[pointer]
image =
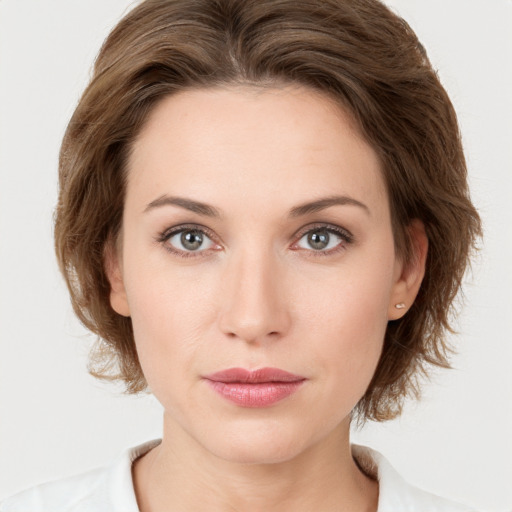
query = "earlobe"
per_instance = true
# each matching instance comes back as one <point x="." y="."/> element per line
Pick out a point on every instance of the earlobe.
<point x="410" y="273"/>
<point x="113" y="269"/>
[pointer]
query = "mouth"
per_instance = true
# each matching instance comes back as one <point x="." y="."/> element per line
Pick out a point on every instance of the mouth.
<point x="257" y="388"/>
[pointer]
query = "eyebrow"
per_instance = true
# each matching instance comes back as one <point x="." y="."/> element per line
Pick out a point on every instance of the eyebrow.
<point x="297" y="211"/>
<point x="187" y="204"/>
<point x="326" y="202"/>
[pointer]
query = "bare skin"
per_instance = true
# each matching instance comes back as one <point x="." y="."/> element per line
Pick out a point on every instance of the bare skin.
<point x="267" y="282"/>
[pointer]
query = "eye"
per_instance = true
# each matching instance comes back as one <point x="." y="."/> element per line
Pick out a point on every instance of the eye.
<point x="324" y="239"/>
<point x="187" y="240"/>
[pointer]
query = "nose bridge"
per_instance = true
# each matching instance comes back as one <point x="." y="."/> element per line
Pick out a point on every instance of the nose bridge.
<point x="253" y="303"/>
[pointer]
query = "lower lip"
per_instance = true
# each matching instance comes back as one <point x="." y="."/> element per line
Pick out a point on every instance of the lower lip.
<point x="261" y="394"/>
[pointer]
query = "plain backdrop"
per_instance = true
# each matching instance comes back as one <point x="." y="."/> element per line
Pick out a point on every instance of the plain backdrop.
<point x="55" y="420"/>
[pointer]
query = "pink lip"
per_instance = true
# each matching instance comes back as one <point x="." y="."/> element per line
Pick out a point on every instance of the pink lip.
<point x="257" y="388"/>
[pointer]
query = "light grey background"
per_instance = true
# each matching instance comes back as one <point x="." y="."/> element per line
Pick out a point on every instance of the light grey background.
<point x="55" y="420"/>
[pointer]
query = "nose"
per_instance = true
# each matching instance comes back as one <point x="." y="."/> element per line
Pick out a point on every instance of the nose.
<point x="253" y="306"/>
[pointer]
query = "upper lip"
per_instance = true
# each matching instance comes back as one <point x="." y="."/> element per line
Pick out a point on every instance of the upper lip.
<point x="254" y="376"/>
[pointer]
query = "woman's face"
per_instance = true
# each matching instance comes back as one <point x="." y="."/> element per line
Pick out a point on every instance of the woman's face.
<point x="256" y="234"/>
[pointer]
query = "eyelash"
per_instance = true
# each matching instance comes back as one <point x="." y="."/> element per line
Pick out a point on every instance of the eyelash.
<point x="346" y="236"/>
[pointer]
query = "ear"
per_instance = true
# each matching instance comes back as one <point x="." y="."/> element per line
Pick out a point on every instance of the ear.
<point x="114" y="271"/>
<point x="409" y="274"/>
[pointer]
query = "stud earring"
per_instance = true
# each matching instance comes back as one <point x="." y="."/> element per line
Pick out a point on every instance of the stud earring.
<point x="400" y="305"/>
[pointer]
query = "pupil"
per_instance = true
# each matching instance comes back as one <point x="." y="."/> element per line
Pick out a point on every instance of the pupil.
<point x="191" y="240"/>
<point x="318" y="239"/>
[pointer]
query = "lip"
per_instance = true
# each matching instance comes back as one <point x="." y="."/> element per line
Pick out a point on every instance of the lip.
<point x="254" y="388"/>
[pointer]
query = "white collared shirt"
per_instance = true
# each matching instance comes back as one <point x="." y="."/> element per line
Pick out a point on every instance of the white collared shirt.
<point x="110" y="489"/>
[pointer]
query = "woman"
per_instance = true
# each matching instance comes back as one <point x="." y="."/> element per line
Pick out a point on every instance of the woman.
<point x="264" y="216"/>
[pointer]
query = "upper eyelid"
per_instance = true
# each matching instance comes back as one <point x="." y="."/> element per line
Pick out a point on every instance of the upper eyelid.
<point x="325" y="225"/>
<point x="167" y="233"/>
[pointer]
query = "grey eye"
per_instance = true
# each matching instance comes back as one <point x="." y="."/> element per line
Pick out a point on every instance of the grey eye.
<point x="320" y="239"/>
<point x="190" y="240"/>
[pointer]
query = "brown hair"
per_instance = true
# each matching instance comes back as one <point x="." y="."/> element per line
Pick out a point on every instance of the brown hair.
<point x="355" y="51"/>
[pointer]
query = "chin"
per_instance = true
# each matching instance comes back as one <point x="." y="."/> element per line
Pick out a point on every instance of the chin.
<point x="258" y="445"/>
<point x="258" y="454"/>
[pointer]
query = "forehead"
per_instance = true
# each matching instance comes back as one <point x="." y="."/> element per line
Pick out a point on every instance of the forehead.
<point x="259" y="144"/>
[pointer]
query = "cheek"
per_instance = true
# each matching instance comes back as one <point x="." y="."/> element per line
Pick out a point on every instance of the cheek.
<point x="349" y="315"/>
<point x="171" y="311"/>
<point x="353" y="332"/>
<point x="162" y="296"/>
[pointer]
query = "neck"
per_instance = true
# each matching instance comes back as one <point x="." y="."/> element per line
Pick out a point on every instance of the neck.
<point x="181" y="475"/>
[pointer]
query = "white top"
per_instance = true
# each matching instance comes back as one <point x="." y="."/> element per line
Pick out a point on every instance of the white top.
<point x="110" y="489"/>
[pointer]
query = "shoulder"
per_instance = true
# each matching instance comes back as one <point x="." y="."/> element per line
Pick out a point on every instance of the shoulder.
<point x="106" y="489"/>
<point x="395" y="493"/>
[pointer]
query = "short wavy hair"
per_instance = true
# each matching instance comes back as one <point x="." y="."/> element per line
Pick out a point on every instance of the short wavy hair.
<point x="357" y="52"/>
